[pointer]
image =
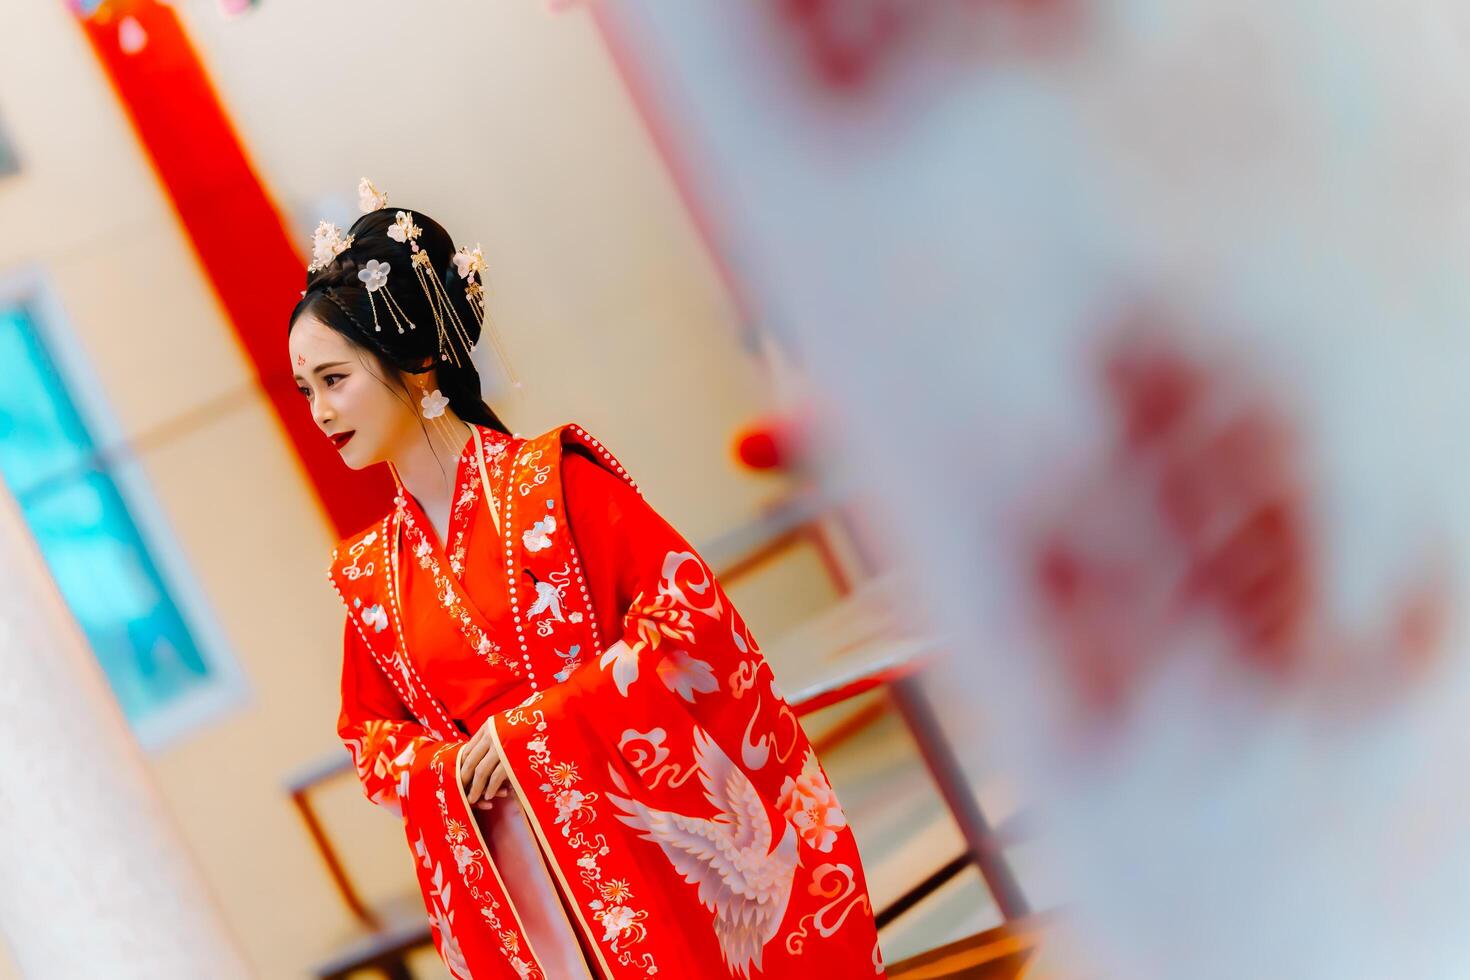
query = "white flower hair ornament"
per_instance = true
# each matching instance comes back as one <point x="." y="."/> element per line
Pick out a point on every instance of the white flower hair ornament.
<point x="326" y="244"/>
<point x="374" y="275"/>
<point x="374" y="278"/>
<point x="455" y="342"/>
<point x="369" y="198"/>
<point x="469" y="262"/>
<point x="405" y="231"/>
<point x="434" y="404"/>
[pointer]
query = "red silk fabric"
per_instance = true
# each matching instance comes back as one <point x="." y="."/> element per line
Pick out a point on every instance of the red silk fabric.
<point x="688" y="825"/>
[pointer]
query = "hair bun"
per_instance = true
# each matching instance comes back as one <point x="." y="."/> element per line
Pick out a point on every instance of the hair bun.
<point x="337" y="298"/>
<point x="428" y="310"/>
<point x="340" y="272"/>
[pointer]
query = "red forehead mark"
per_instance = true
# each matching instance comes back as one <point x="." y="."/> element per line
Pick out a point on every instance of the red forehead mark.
<point x="300" y="360"/>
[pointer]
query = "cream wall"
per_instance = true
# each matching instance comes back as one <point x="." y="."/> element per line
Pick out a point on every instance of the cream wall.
<point x="519" y="136"/>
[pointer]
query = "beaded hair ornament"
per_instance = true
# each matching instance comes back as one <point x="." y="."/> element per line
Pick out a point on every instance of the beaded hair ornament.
<point x="454" y="340"/>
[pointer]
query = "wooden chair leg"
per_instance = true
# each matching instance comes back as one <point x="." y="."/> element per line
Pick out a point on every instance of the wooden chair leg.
<point x="397" y="970"/>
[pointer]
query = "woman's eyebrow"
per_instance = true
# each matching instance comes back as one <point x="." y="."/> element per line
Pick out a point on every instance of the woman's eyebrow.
<point x="322" y="367"/>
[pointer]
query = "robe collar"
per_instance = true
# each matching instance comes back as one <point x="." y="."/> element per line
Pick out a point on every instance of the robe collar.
<point x="365" y="574"/>
<point x="485" y="440"/>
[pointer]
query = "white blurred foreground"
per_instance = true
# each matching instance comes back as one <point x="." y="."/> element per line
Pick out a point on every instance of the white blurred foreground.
<point x="1147" y="321"/>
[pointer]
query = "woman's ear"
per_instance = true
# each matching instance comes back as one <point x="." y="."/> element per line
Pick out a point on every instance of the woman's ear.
<point x="411" y="380"/>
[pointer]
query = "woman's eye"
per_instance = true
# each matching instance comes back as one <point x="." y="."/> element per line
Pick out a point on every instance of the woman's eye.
<point x="304" y="392"/>
<point x="328" y="379"/>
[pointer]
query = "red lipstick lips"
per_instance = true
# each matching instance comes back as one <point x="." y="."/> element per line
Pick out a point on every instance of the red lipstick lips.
<point x="340" y="439"/>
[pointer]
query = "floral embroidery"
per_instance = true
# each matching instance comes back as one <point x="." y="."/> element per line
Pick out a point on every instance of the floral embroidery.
<point x="443" y="923"/>
<point x="464" y="504"/>
<point x="624" y="662"/>
<point x="568" y="804"/>
<point x="468" y="861"/>
<point x="383" y="756"/>
<point x="809" y="803"/>
<point x="622" y="924"/>
<point x="616" y="890"/>
<point x="653" y="622"/>
<point x="448" y="594"/>
<point x="616" y="920"/>
<point x="684" y="675"/>
<point x="563" y="773"/>
<point x="658" y="619"/>
<point x="469" y="497"/>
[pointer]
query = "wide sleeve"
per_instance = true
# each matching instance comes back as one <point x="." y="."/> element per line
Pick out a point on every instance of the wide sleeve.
<point x="646" y="582"/>
<point x="409" y="771"/>
<point x="387" y="744"/>
<point x="667" y="758"/>
<point x="617" y="535"/>
<point x="668" y="635"/>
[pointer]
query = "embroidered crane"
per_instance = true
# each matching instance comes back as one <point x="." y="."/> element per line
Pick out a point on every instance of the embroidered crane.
<point x="740" y="878"/>
<point x="548" y="597"/>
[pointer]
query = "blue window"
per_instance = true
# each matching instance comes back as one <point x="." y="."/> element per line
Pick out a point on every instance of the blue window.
<point x="72" y="494"/>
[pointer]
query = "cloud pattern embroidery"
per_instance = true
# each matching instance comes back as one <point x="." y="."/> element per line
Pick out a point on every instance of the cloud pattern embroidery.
<point x="375" y="617"/>
<point x="538" y="538"/>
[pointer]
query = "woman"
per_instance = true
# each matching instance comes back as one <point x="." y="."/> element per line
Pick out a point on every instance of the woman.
<point x="596" y="774"/>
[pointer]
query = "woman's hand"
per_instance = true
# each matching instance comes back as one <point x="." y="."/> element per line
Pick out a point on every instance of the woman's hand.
<point x="481" y="770"/>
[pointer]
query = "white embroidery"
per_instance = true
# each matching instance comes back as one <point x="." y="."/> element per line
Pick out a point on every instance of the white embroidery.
<point x="538" y="538"/>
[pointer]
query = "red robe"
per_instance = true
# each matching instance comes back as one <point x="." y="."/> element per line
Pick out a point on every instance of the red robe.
<point x="688" y="827"/>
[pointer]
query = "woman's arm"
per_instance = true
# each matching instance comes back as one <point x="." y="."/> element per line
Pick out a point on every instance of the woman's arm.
<point x="377" y="728"/>
<point x="654" y="598"/>
<point x="609" y="523"/>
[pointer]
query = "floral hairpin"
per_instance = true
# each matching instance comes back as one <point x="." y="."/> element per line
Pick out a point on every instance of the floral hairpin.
<point x="374" y="278"/>
<point x="369" y="198"/>
<point x="404" y="230"/>
<point x="326" y="244"/>
<point x="374" y="275"/>
<point x="470" y="263"/>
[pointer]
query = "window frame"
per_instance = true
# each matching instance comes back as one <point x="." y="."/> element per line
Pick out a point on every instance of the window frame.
<point x="225" y="687"/>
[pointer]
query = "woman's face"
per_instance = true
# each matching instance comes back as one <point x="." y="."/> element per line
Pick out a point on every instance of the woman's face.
<point x="348" y="392"/>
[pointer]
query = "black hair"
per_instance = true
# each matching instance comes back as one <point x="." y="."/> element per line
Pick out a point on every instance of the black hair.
<point x="338" y="298"/>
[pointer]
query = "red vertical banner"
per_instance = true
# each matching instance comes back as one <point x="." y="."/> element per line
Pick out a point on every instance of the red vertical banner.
<point x="243" y="245"/>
